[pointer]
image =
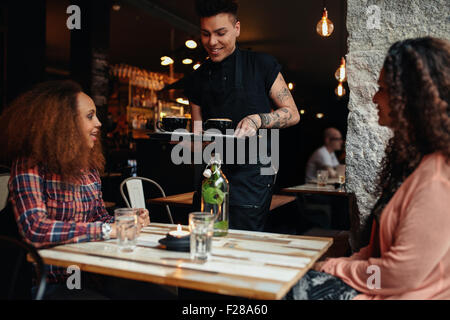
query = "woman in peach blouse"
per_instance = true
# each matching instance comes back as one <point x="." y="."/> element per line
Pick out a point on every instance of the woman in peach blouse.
<point x="408" y="256"/>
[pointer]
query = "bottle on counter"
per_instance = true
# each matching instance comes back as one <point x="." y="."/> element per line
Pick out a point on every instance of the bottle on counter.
<point x="215" y="195"/>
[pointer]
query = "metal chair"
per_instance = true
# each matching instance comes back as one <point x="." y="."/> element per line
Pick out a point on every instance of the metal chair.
<point x="136" y="193"/>
<point x="16" y="271"/>
<point x="4" y="178"/>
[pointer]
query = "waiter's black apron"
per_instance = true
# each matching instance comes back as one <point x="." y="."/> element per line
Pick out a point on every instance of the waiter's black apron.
<point x="250" y="192"/>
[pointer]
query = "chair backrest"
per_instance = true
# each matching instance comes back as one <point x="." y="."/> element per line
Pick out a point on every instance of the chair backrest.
<point x="4" y="178"/>
<point x="136" y="193"/>
<point x="16" y="273"/>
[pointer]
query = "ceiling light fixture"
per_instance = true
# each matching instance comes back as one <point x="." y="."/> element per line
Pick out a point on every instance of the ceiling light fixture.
<point x="340" y="90"/>
<point x="165" y="61"/>
<point x="191" y="44"/>
<point x="319" y="115"/>
<point x="196" y="66"/>
<point x="187" y="61"/>
<point x="290" y="86"/>
<point x="325" y="27"/>
<point x="302" y="111"/>
<point x="116" y="6"/>
<point x="341" y="72"/>
<point x="182" y="101"/>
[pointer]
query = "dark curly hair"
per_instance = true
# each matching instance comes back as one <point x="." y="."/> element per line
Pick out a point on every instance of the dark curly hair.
<point x="209" y="8"/>
<point x="42" y="126"/>
<point x="417" y="74"/>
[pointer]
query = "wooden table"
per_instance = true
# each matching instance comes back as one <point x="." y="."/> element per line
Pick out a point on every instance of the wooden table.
<point x="329" y="190"/>
<point x="186" y="200"/>
<point x="311" y="188"/>
<point x="182" y="199"/>
<point x="254" y="265"/>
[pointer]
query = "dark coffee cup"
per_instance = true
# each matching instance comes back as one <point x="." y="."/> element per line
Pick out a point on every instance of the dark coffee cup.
<point x="170" y="124"/>
<point x="221" y="124"/>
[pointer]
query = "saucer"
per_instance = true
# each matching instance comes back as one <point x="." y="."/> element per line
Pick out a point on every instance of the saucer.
<point x="176" y="244"/>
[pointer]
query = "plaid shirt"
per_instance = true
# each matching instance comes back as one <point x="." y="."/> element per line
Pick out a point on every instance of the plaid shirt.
<point x="50" y="212"/>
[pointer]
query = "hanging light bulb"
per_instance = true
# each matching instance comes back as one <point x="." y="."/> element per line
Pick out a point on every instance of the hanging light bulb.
<point x="187" y="61"/>
<point x="191" y="44"/>
<point x="325" y="27"/>
<point x="340" y="90"/>
<point x="116" y="6"/>
<point x="319" y="115"/>
<point x="341" y="72"/>
<point x="290" y="86"/>
<point x="302" y="111"/>
<point x="196" y="66"/>
<point x="165" y="61"/>
<point x="182" y="101"/>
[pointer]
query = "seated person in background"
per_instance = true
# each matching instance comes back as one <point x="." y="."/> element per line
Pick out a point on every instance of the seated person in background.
<point x="408" y="256"/>
<point x="324" y="157"/>
<point x="50" y="136"/>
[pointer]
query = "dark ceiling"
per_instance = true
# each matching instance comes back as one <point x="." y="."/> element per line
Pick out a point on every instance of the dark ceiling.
<point x="282" y="28"/>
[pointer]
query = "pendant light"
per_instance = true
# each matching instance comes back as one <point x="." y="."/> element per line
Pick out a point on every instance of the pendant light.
<point x="340" y="90"/>
<point x="165" y="61"/>
<point x="325" y="27"/>
<point x="191" y="44"/>
<point x="341" y="72"/>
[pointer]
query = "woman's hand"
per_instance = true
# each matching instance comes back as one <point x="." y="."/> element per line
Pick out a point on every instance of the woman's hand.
<point x="144" y="218"/>
<point x="143" y="221"/>
<point x="318" y="265"/>
<point x="113" y="233"/>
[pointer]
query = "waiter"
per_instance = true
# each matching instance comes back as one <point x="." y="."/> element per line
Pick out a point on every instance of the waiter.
<point x="242" y="86"/>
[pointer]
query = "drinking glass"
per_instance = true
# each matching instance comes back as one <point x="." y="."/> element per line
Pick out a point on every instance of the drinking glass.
<point x="340" y="170"/>
<point x="127" y="231"/>
<point x="322" y="178"/>
<point x="201" y="226"/>
<point x="341" y="182"/>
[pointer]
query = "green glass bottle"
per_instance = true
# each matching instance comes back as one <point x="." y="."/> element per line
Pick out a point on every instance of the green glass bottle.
<point x="215" y="195"/>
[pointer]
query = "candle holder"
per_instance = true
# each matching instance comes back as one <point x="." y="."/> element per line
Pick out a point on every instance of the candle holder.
<point x="177" y="243"/>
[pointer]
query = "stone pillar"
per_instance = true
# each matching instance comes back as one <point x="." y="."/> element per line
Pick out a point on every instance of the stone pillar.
<point x="373" y="26"/>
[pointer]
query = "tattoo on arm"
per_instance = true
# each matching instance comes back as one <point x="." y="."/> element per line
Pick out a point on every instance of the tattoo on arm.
<point x="282" y="98"/>
<point x="265" y="119"/>
<point x="283" y="94"/>
<point x="276" y="119"/>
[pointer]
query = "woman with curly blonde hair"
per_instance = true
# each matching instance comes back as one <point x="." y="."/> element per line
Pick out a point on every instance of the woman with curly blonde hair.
<point x="50" y="137"/>
<point x="408" y="256"/>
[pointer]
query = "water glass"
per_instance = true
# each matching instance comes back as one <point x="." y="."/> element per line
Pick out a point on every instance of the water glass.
<point x="201" y="226"/>
<point x="322" y="178"/>
<point x="340" y="170"/>
<point x="127" y="231"/>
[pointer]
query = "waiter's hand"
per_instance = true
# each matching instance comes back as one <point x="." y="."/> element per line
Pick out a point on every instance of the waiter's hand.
<point x="248" y="126"/>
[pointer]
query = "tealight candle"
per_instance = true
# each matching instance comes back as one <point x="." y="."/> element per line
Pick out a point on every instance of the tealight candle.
<point x="177" y="240"/>
<point x="178" y="233"/>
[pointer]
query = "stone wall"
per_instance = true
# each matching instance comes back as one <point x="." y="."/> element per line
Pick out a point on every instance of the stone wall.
<point x="373" y="26"/>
